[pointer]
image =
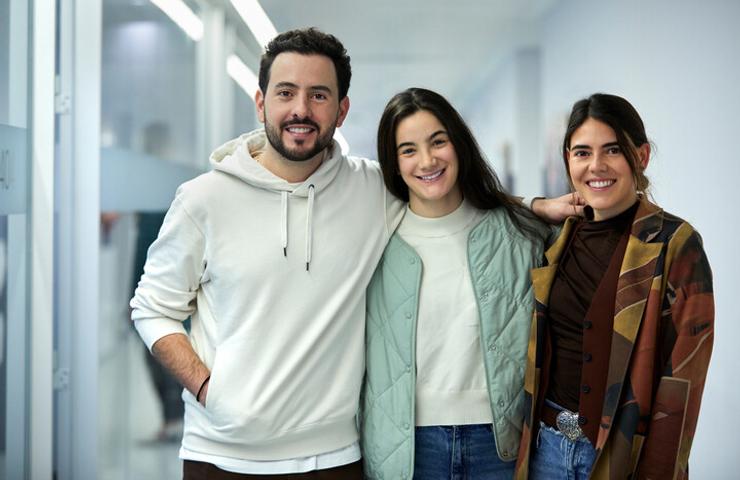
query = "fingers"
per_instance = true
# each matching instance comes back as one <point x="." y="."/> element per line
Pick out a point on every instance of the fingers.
<point x="556" y="210"/>
<point x="572" y="198"/>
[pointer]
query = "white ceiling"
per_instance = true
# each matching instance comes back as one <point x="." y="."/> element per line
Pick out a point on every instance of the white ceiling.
<point x="446" y="46"/>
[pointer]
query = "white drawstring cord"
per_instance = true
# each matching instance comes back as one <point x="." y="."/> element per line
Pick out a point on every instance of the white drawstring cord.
<point x="309" y="224"/>
<point x="284" y="224"/>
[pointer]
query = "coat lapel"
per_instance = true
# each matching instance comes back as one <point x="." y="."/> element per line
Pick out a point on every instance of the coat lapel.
<point x="637" y="277"/>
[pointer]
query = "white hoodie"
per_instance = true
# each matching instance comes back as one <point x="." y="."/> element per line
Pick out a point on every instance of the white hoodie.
<point x="274" y="275"/>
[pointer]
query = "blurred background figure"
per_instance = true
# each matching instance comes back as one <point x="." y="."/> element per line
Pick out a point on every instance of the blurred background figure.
<point x="167" y="388"/>
<point x="156" y="142"/>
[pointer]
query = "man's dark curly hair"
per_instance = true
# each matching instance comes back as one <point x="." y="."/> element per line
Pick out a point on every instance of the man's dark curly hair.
<point x="308" y="41"/>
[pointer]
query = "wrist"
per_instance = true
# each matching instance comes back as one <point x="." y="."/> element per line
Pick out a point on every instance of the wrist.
<point x="530" y="202"/>
<point x="202" y="389"/>
<point x="538" y="205"/>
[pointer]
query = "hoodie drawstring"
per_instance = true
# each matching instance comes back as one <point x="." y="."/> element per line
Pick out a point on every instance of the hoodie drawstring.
<point x="309" y="224"/>
<point x="284" y="224"/>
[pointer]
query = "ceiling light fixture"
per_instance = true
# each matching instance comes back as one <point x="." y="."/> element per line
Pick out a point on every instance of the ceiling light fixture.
<point x="242" y="75"/>
<point x="256" y="19"/>
<point x="183" y="16"/>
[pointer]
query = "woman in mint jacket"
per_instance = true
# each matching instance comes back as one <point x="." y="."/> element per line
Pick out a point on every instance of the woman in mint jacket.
<point x="449" y="306"/>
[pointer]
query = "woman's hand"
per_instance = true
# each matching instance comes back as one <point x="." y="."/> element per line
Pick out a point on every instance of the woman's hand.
<point x="556" y="210"/>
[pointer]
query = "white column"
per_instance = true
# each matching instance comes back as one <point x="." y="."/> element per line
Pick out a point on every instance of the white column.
<point x="41" y="238"/>
<point x="63" y="431"/>
<point x="211" y="70"/>
<point x="85" y="251"/>
<point x="77" y="237"/>
<point x="227" y="89"/>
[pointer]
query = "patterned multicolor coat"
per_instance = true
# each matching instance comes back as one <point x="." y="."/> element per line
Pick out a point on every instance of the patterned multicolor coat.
<point x="661" y="344"/>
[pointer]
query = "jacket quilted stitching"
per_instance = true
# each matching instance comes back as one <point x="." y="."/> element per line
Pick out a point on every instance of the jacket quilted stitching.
<point x="500" y="258"/>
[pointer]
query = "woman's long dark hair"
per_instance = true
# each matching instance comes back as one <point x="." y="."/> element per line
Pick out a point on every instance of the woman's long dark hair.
<point x="476" y="179"/>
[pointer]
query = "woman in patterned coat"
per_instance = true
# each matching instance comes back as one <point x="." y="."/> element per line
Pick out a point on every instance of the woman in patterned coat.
<point x="624" y="319"/>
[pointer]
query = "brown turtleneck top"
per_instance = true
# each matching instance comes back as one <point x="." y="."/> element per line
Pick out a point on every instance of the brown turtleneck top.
<point x="580" y="271"/>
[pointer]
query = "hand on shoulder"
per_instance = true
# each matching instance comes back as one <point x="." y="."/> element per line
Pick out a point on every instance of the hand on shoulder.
<point x="556" y="210"/>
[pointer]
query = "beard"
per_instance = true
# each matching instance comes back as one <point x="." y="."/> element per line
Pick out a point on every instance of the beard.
<point x="296" y="154"/>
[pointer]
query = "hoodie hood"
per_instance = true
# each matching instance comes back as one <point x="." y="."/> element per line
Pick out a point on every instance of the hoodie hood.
<point x="236" y="157"/>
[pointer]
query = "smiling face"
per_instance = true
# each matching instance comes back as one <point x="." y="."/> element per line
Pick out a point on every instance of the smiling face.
<point x="428" y="164"/>
<point x="300" y="107"/>
<point x="599" y="170"/>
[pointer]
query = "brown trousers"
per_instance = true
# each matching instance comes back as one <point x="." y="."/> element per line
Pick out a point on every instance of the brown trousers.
<point x="205" y="471"/>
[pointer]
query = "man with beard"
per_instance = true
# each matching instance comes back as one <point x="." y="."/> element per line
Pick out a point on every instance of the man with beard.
<point x="270" y="254"/>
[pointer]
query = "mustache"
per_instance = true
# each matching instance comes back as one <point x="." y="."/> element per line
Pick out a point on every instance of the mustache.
<point x="300" y="121"/>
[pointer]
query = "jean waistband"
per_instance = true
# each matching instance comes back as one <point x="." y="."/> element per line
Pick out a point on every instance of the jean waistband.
<point x="471" y="427"/>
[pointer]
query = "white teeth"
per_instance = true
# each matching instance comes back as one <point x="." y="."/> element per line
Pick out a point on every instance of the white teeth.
<point x="432" y="176"/>
<point x="600" y="183"/>
<point x="299" y="129"/>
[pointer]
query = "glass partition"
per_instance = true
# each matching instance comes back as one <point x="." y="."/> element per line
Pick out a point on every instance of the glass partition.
<point x="149" y="145"/>
<point x="14" y="218"/>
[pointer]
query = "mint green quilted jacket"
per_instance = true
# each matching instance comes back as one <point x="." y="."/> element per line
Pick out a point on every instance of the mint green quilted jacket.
<point x="499" y="258"/>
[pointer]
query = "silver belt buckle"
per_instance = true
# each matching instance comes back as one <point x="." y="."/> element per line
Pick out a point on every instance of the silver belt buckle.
<point x="567" y="423"/>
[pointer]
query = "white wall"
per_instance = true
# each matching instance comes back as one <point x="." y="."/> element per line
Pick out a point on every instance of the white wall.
<point x="504" y="109"/>
<point x="491" y="112"/>
<point x="677" y="62"/>
<point x="529" y="110"/>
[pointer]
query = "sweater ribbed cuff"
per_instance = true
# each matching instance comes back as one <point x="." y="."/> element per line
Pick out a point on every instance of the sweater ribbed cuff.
<point x="152" y="329"/>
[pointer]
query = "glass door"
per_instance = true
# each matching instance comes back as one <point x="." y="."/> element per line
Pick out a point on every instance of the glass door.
<point x="26" y="236"/>
<point x="14" y="217"/>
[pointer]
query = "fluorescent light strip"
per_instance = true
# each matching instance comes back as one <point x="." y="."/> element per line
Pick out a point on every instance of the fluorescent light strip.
<point x="256" y="19"/>
<point x="181" y="14"/>
<point x="247" y="80"/>
<point x="242" y="75"/>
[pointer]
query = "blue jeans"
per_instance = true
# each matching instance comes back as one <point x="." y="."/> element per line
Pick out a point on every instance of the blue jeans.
<point x="556" y="457"/>
<point x="459" y="452"/>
